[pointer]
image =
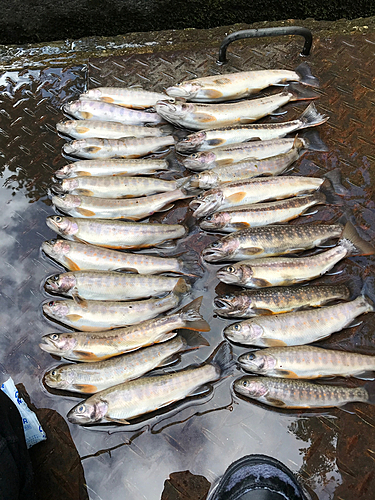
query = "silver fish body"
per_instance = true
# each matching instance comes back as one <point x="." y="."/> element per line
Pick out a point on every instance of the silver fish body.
<point x="129" y="97"/>
<point x="111" y="167"/>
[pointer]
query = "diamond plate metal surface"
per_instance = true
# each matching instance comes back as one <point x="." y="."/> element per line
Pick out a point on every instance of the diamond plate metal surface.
<point x="333" y="451"/>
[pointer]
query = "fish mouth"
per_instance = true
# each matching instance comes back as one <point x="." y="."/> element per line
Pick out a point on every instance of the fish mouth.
<point x="223" y="304"/>
<point x="212" y="254"/>
<point x="227" y="277"/>
<point x="49" y="347"/>
<point x="70" y="148"/>
<point x="57" y="188"/>
<point x="178" y="92"/>
<point x="75" y="418"/>
<point x="203" y="208"/>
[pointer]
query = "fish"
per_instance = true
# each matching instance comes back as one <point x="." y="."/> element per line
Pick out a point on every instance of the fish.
<point x="76" y="256"/>
<point x="261" y="214"/>
<point x="96" y="346"/>
<point x="128" y="148"/>
<point x="114" y="233"/>
<point x="286" y="393"/>
<point x="87" y="129"/>
<point x="89" y="378"/>
<point x="219" y="88"/>
<point x="205" y="140"/>
<point x="249" y="303"/>
<point x="285" y="271"/>
<point x="306" y="362"/>
<point x="268" y="241"/>
<point x="251" y="152"/>
<point x="300" y="327"/>
<point x="123" y="402"/>
<point x="203" y="116"/>
<point x="98" y="315"/>
<point x="249" y="191"/>
<point x="118" y="208"/>
<point x="110" y="285"/>
<point x="86" y="109"/>
<point x="111" y="167"/>
<point x="129" y="97"/>
<point x="117" y="186"/>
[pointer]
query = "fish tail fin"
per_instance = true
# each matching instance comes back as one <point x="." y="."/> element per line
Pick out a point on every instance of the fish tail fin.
<point x="166" y="129"/>
<point x="311" y="117"/>
<point x="369" y="387"/>
<point x="192" y="340"/>
<point x="191" y="316"/>
<point x="354" y="243"/>
<point x="189" y="192"/>
<point x="305" y="75"/>
<point x="333" y="181"/>
<point x="181" y="287"/>
<point x="312" y="141"/>
<point x="301" y="93"/>
<point x="222" y="359"/>
<point x="184" y="182"/>
<point x="319" y="198"/>
<point x="368" y="293"/>
<point x="189" y="264"/>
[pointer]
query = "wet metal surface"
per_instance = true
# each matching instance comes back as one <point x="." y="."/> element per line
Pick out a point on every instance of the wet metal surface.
<point x="332" y="451"/>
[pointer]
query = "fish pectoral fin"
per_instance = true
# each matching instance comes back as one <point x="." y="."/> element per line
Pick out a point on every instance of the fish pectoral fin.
<point x="211" y="93"/>
<point x="245" y="119"/>
<point x="166" y="244"/>
<point x="126" y="270"/>
<point x="273" y="342"/>
<point x="86" y="356"/>
<point x="222" y="81"/>
<point x="86" y="388"/>
<point x="72" y="266"/>
<point x="118" y="420"/>
<point x="204" y="118"/>
<point x="86" y="115"/>
<point x="240" y="225"/>
<point x="79" y="300"/>
<point x="82" y="130"/>
<point x="236" y="197"/>
<point x="252" y="251"/>
<point x="261" y="312"/>
<point x="84" y="192"/>
<point x="287" y="374"/>
<point x="85" y="212"/>
<point x="93" y="149"/>
<point x="260" y="282"/>
<point x="215" y="142"/>
<point x="107" y="99"/>
<point x="275" y="402"/>
<point x="73" y="317"/>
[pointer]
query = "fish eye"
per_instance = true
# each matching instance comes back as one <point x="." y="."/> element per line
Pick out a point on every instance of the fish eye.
<point x="178" y="84"/>
<point x="215" y="244"/>
<point x="231" y="269"/>
<point x="237" y="327"/>
<point x="251" y="356"/>
<point x="81" y="409"/>
<point x="55" y="278"/>
<point x="52" y="303"/>
<point x="58" y="218"/>
<point x="54" y="373"/>
<point x="209" y="217"/>
<point x="245" y="383"/>
<point x="194" y="156"/>
<point x="54" y="336"/>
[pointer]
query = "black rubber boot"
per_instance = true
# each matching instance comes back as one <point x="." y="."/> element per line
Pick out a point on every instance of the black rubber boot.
<point x="258" y="477"/>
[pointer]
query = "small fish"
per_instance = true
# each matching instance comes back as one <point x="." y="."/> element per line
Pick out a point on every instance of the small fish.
<point x="97" y="315"/>
<point x="205" y="140"/>
<point x="114" y="233"/>
<point x="111" y="167"/>
<point x="249" y="303"/>
<point x="204" y="116"/>
<point x="87" y="129"/>
<point x="260" y="214"/>
<point x="285" y="393"/>
<point x="218" y="88"/>
<point x="129" y="97"/>
<point x="131" y="399"/>
<point x="306" y="362"/>
<point x="77" y="256"/>
<point x="130" y="147"/>
<point x="110" y="285"/>
<point x="86" y="109"/>
<point x="89" y="346"/>
<point x="300" y="327"/>
<point x="88" y="378"/>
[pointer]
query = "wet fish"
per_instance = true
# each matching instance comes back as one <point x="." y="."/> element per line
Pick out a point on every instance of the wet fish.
<point x="204" y="116"/>
<point x="252" y="151"/>
<point x="118" y="208"/>
<point x="89" y="378"/>
<point x="205" y="140"/>
<point x="86" y="129"/>
<point x="114" y="233"/>
<point x="269" y="241"/>
<point x="117" y="186"/>
<point x="77" y="256"/>
<point x="236" y="194"/>
<point x="86" y="109"/>
<point x="130" y="147"/>
<point x="283" y="271"/>
<point x="110" y="285"/>
<point x="138" y="397"/>
<point x="249" y="303"/>
<point x="111" y="167"/>
<point x="306" y="362"/>
<point x="218" y="88"/>
<point x="89" y="346"/>
<point x="129" y="97"/>
<point x="300" y="327"/>
<point x="260" y="214"/>
<point x="97" y="315"/>
<point x="285" y="393"/>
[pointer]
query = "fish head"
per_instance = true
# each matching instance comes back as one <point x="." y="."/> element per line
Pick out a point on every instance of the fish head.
<point x="74" y="147"/>
<point x="257" y="362"/>
<point x="220" y="250"/>
<point x="60" y="283"/>
<point x="95" y="94"/>
<point x="200" y="161"/>
<point x="251" y="387"/>
<point x="55" y="248"/>
<point x="185" y="90"/>
<point x="56" y="308"/>
<point x="59" y="378"/>
<point x="235" y="274"/>
<point x="206" y="203"/>
<point x="232" y="304"/>
<point x="66" y="201"/>
<point x="205" y="180"/>
<point x="192" y="142"/>
<point x="58" y="343"/>
<point x="173" y="112"/>
<point x="88" y="412"/>
<point x="65" y="171"/>
<point x="215" y="221"/>
<point x="244" y="332"/>
<point x="66" y="126"/>
<point x="65" y="226"/>
<point x="73" y="108"/>
<point x="68" y="185"/>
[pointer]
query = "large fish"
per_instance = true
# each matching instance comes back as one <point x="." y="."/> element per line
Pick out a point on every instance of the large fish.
<point x="205" y="140"/>
<point x="307" y="362"/>
<point x="300" y="327"/>
<point x="146" y="394"/>
<point x="77" y="256"/>
<point x="97" y="315"/>
<point x="218" y="88"/>
<point x="114" y="233"/>
<point x="286" y="393"/>
<point x="90" y="346"/>
<point x="131" y="97"/>
<point x="111" y="167"/>
<point x="249" y="303"/>
<point x="204" y="116"/>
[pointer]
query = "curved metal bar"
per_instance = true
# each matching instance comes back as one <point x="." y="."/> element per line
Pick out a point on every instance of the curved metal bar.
<point x="286" y="30"/>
